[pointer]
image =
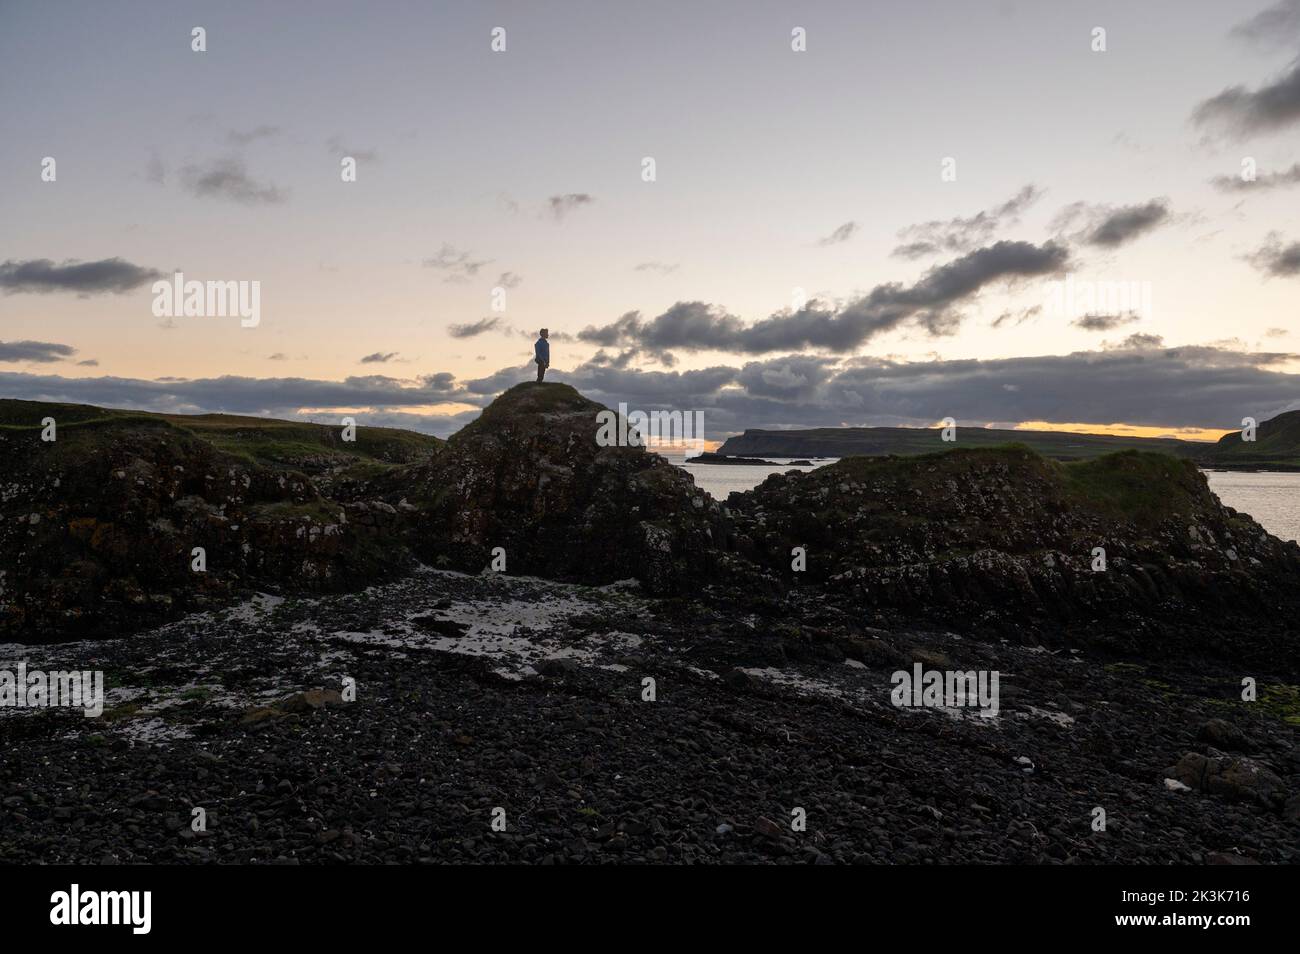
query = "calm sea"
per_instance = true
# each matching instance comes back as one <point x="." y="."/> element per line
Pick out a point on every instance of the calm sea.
<point x="1272" y="499"/>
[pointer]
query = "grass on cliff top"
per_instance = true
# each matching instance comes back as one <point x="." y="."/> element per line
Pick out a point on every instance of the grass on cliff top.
<point x="265" y="441"/>
<point x="530" y="398"/>
<point x="1134" y="485"/>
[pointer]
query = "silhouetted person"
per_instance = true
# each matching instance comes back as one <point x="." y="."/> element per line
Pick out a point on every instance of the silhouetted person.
<point x="542" y="351"/>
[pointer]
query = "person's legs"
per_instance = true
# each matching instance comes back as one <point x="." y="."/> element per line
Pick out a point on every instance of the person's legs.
<point x="541" y="372"/>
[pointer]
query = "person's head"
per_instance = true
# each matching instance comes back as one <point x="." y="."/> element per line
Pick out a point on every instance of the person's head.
<point x="545" y="332"/>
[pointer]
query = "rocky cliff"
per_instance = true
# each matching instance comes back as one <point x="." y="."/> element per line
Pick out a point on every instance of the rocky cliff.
<point x="1131" y="550"/>
<point x="98" y="528"/>
<point x="529" y="477"/>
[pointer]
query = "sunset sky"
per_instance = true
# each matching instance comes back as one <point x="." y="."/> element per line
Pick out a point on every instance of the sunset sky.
<point x="776" y="170"/>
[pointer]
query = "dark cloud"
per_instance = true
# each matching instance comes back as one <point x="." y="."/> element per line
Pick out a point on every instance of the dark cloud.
<point x="662" y="268"/>
<point x="1276" y="258"/>
<point x="42" y="352"/>
<point x="443" y="381"/>
<point x="379" y="357"/>
<point x="841" y="234"/>
<point x="793" y="376"/>
<point x="458" y="266"/>
<point x="509" y="280"/>
<point x="278" y="356"/>
<point x="1270" y="180"/>
<point x="475" y="328"/>
<point x="1108" y="226"/>
<point x="41" y="275"/>
<point x="1139" y="381"/>
<point x="274" y="397"/>
<point x="1135" y="342"/>
<point x="1104" y="322"/>
<point x="1245" y="111"/>
<point x="228" y="179"/>
<point x="1275" y="26"/>
<point x="559" y="206"/>
<point x="964" y="234"/>
<point x="929" y="304"/>
<point x="1017" y="317"/>
<point x="88" y="363"/>
<point x="244" y="137"/>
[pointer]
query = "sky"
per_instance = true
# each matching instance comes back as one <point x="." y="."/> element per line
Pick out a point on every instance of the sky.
<point x="1048" y="214"/>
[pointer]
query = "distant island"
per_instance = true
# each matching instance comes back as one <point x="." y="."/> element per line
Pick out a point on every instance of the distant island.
<point x="709" y="457"/>
<point x="1276" y="445"/>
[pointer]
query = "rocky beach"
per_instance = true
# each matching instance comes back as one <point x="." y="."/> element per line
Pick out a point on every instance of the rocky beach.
<point x="522" y="646"/>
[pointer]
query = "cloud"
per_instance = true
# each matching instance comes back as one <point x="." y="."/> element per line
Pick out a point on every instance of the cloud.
<point x="42" y="276"/>
<point x="42" y="352"/>
<point x="793" y="376"/>
<point x="560" y="206"/>
<point x="278" y="356"/>
<point x="379" y="357"/>
<point x="228" y="179"/>
<point x="1139" y="381"/>
<point x="1276" y="26"/>
<point x="441" y="381"/>
<point x="1270" y="180"/>
<point x="964" y="234"/>
<point x="1016" y="318"/>
<point x="386" y="401"/>
<point x="458" y="265"/>
<point x="1110" y="227"/>
<point x="930" y="304"/>
<point x="1276" y="258"/>
<point x="1104" y="322"/>
<point x="88" y="363"/>
<point x="661" y="267"/>
<point x="1243" y="111"/>
<point x="476" y="328"/>
<point x="1135" y="342"/>
<point x="243" y="138"/>
<point x="509" y="280"/>
<point x="841" y="234"/>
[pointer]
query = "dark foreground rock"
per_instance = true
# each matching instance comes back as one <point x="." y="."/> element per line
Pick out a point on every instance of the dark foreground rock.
<point x="99" y="529"/>
<point x="1131" y="552"/>
<point x="529" y="478"/>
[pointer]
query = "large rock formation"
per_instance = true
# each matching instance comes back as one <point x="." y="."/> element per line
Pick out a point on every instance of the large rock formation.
<point x="98" y="528"/>
<point x="528" y="476"/>
<point x="1003" y="541"/>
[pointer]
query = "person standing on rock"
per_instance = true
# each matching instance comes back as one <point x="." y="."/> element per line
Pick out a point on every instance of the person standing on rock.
<point x="542" y="353"/>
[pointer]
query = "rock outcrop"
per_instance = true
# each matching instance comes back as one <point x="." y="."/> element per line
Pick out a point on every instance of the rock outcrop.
<point x="1009" y="543"/>
<point x="98" y="529"/>
<point x="529" y="477"/>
